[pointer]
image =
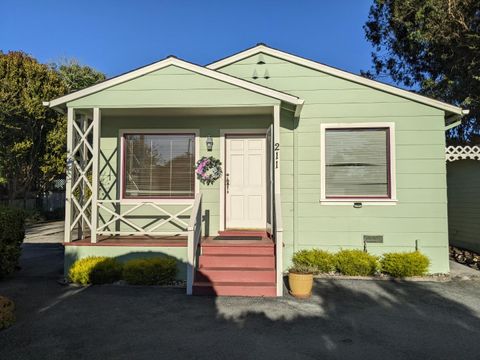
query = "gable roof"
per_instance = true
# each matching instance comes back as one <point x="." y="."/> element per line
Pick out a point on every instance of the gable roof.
<point x="184" y="65"/>
<point x="262" y="48"/>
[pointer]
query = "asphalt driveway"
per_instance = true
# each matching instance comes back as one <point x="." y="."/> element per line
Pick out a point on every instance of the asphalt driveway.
<point x="343" y="320"/>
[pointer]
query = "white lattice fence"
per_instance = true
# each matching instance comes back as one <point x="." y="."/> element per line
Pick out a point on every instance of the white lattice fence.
<point x="454" y="153"/>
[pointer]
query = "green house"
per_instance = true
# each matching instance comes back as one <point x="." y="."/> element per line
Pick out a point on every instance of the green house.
<point x="311" y="157"/>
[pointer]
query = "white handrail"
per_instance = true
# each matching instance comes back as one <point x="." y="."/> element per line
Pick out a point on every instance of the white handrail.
<point x="278" y="234"/>
<point x="194" y="235"/>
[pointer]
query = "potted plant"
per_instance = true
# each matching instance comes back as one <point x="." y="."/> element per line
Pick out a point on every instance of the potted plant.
<point x="300" y="281"/>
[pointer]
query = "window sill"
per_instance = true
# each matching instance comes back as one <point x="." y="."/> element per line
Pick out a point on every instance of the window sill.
<point x="159" y="201"/>
<point x="364" y="202"/>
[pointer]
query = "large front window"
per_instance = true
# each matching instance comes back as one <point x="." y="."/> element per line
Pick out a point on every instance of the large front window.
<point x="357" y="163"/>
<point x="159" y="166"/>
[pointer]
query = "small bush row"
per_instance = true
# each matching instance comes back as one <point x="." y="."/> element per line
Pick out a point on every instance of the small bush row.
<point x="360" y="263"/>
<point x="106" y="270"/>
<point x="12" y="232"/>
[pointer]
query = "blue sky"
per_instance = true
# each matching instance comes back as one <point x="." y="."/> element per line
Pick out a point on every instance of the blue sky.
<point x="115" y="36"/>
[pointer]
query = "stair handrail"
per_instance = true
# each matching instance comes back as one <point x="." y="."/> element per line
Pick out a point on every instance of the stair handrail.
<point x="194" y="235"/>
<point x="278" y="236"/>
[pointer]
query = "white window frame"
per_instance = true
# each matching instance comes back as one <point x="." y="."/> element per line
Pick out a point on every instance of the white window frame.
<point x="392" y="200"/>
<point x="120" y="166"/>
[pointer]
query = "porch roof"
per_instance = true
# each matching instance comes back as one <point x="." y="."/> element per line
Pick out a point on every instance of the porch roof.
<point x="61" y="102"/>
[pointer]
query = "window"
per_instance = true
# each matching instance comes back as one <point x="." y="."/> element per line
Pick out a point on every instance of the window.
<point x="357" y="162"/>
<point x="159" y="166"/>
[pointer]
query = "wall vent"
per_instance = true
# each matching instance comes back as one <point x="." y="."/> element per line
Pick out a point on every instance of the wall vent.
<point x="373" y="239"/>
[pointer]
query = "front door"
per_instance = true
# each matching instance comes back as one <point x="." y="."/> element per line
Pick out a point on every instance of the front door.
<point x="245" y="182"/>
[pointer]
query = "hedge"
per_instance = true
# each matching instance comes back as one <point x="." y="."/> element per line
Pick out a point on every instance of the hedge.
<point x="12" y="233"/>
<point x="404" y="264"/>
<point x="356" y="263"/>
<point x="151" y="271"/>
<point x="319" y="261"/>
<point x="95" y="270"/>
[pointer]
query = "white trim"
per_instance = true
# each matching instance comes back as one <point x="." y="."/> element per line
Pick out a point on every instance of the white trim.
<point x="276" y="153"/>
<point x="336" y="72"/>
<point x="97" y="126"/>
<point x="223" y="133"/>
<point x="350" y="201"/>
<point x="121" y="132"/>
<point x="454" y="153"/>
<point x="184" y="65"/>
<point x="69" y="175"/>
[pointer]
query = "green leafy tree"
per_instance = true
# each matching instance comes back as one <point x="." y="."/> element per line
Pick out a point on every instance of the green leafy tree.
<point x="432" y="46"/>
<point x="74" y="77"/>
<point x="24" y="121"/>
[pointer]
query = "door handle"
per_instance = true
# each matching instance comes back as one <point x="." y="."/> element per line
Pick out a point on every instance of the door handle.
<point x="227" y="181"/>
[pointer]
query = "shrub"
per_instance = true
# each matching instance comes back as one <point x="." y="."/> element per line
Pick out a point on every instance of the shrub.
<point x="7" y="314"/>
<point x="321" y="261"/>
<point x="12" y="232"/>
<point x="302" y="269"/>
<point x="355" y="263"/>
<point x="404" y="264"/>
<point x="151" y="271"/>
<point x="95" y="270"/>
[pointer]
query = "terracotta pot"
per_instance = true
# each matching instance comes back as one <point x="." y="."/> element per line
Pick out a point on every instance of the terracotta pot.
<point x="300" y="285"/>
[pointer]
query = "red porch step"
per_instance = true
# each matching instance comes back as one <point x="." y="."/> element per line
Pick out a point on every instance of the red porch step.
<point x="236" y="261"/>
<point x="236" y="268"/>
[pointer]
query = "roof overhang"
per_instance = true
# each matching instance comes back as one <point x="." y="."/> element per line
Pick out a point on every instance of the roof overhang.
<point x="261" y="48"/>
<point x="60" y="103"/>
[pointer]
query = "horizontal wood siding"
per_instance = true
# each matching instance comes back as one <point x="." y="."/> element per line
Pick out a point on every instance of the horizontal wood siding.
<point x="173" y="87"/>
<point x="421" y="212"/>
<point x="464" y="203"/>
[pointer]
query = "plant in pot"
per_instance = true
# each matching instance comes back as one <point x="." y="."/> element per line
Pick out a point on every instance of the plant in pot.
<point x="300" y="280"/>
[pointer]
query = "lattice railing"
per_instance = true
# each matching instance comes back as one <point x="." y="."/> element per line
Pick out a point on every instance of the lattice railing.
<point x="454" y="153"/>
<point x="142" y="218"/>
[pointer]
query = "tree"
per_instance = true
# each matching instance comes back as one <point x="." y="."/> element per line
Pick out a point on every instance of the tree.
<point x="432" y="46"/>
<point x="24" y="121"/>
<point x="74" y="77"/>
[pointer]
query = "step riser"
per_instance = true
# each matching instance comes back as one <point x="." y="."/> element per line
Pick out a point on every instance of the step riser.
<point x="266" y="291"/>
<point x="211" y="261"/>
<point x="243" y="276"/>
<point x="237" y="250"/>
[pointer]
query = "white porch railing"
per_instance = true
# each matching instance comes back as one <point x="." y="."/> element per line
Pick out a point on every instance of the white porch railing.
<point x="194" y="236"/>
<point x="116" y="218"/>
<point x="278" y="236"/>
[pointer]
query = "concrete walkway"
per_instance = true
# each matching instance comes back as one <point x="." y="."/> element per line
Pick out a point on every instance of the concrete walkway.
<point x="44" y="233"/>
<point x="462" y="272"/>
<point x="344" y="319"/>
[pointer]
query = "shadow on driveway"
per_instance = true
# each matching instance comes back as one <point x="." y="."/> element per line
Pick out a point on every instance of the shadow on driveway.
<point x="343" y="320"/>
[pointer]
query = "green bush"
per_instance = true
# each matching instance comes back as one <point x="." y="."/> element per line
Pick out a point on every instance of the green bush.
<point x="12" y="232"/>
<point x="151" y="271"/>
<point x="404" y="264"/>
<point x="356" y="263"/>
<point x="95" y="270"/>
<point x="319" y="260"/>
<point x="7" y="312"/>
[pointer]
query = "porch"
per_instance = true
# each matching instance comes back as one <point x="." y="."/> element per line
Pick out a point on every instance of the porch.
<point x="100" y="215"/>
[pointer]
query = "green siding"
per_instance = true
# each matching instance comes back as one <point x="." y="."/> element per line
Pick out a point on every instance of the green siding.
<point x="173" y="87"/>
<point x="463" y="203"/>
<point x="124" y="253"/>
<point x="421" y="211"/>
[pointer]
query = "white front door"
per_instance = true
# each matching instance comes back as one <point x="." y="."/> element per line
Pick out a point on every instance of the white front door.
<point x="245" y="182"/>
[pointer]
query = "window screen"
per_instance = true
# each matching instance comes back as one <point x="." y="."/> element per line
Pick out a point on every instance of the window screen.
<point x="357" y="163"/>
<point x="159" y="165"/>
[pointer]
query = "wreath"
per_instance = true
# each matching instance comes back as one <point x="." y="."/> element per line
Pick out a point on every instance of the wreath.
<point x="208" y="170"/>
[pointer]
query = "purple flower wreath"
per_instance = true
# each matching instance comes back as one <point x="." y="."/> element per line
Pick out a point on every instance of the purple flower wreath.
<point x="208" y="170"/>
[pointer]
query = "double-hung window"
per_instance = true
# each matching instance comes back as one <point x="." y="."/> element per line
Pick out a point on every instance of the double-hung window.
<point x="158" y="166"/>
<point x="358" y="163"/>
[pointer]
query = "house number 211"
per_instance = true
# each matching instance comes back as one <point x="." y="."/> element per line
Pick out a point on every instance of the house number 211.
<point x="276" y="148"/>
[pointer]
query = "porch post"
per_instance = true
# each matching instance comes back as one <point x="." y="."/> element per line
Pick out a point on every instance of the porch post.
<point x="95" y="167"/>
<point x="69" y="175"/>
<point x="277" y="220"/>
